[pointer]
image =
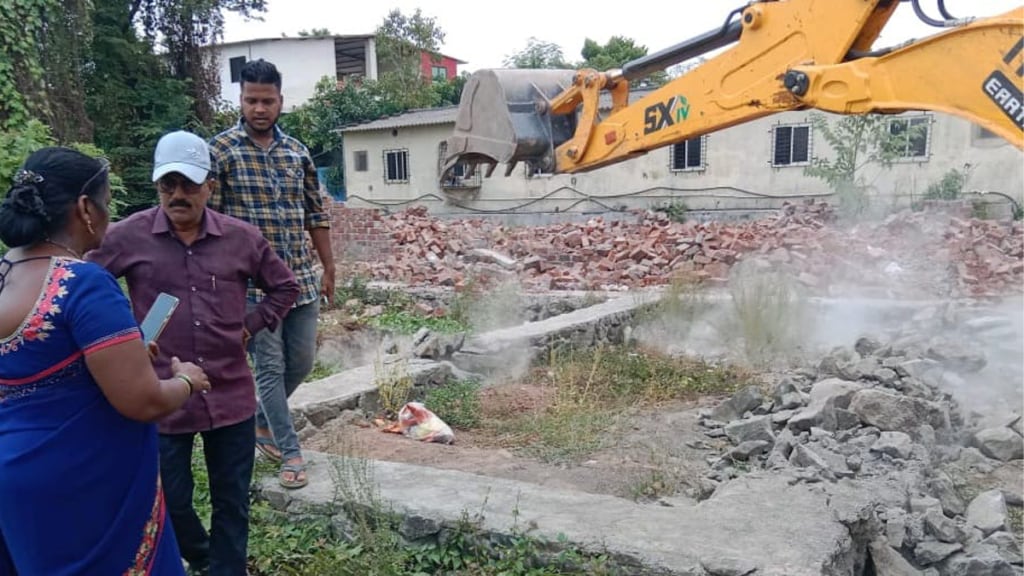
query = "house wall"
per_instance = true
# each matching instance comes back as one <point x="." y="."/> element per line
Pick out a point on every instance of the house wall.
<point x="427" y="64"/>
<point x="737" y="175"/>
<point x="302" y="62"/>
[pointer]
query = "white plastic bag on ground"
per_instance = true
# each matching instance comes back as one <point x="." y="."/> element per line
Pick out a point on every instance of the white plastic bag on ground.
<point x="419" y="423"/>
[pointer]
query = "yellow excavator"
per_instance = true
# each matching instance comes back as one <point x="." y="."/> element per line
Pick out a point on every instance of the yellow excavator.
<point x="782" y="55"/>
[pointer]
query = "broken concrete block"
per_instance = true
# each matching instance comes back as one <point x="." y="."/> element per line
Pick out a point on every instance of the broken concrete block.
<point x="894" y="444"/>
<point x="894" y="412"/>
<point x="1005" y="545"/>
<point x="988" y="512"/>
<point x="826" y="396"/>
<point x="889" y="562"/>
<point x="738" y="404"/>
<point x="939" y="526"/>
<point x="931" y="552"/>
<point x="942" y="488"/>
<point x="756" y="428"/>
<point x="1000" y="443"/>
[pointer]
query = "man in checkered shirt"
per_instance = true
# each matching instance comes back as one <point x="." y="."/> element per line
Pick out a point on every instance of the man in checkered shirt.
<point x="267" y="178"/>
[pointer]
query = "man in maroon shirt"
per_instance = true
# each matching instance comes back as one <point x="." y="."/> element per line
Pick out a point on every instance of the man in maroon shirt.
<point x="206" y="259"/>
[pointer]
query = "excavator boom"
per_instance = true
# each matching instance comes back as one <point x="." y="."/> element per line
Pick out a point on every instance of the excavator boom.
<point x="781" y="55"/>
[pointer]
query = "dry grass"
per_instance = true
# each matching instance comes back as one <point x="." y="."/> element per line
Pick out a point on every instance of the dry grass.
<point x="768" y="317"/>
<point x="588" y="393"/>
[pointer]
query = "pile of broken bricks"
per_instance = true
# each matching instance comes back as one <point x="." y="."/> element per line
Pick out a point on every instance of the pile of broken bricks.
<point x="927" y="254"/>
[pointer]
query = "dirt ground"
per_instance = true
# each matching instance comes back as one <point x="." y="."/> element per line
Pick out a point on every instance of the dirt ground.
<point x="655" y="455"/>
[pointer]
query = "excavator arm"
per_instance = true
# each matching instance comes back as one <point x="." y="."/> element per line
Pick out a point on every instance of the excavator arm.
<point x="784" y="55"/>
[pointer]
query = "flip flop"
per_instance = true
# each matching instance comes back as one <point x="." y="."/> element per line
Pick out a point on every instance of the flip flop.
<point x="264" y="445"/>
<point x="295" y="469"/>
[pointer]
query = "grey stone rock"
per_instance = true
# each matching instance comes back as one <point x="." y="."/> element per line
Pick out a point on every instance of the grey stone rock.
<point x="938" y="525"/>
<point x="790" y="400"/>
<point x="1000" y="443"/>
<point x="957" y="356"/>
<point x="749" y="449"/>
<point x="922" y="504"/>
<point x="804" y="457"/>
<point x="886" y="376"/>
<point x="846" y="420"/>
<point x="889" y="562"/>
<point x="826" y="396"/>
<point x="987" y="511"/>
<point x="756" y="428"/>
<point x="894" y="444"/>
<point x="320" y="415"/>
<point x="1005" y="545"/>
<point x="414" y="527"/>
<point x="931" y="552"/>
<point x="739" y="404"/>
<point x="895" y="527"/>
<point x="836" y="462"/>
<point x="893" y="412"/>
<point x="866" y="345"/>
<point x="942" y="488"/>
<point x="854" y="462"/>
<point x="786" y="394"/>
<point x="984" y="563"/>
<point x="782" y="416"/>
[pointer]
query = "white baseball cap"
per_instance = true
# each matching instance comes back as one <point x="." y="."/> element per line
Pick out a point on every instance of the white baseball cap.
<point x="182" y="152"/>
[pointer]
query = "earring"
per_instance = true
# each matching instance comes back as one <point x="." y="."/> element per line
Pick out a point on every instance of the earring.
<point x="88" y="225"/>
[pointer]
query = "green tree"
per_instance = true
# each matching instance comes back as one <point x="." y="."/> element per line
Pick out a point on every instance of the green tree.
<point x="43" y="45"/>
<point x="132" y="98"/>
<point x="538" y="54"/>
<point x="186" y="29"/>
<point x="615" y="54"/>
<point x="315" y="33"/>
<point x="401" y="40"/>
<point x="856" y="141"/>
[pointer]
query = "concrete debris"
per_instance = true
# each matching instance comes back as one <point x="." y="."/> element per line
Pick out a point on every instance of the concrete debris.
<point x="987" y="512"/>
<point x="868" y="429"/>
<point x="1000" y="443"/>
<point x="648" y="248"/>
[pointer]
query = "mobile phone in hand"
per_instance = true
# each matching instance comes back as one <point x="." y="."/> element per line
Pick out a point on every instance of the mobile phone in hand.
<point x="158" y="316"/>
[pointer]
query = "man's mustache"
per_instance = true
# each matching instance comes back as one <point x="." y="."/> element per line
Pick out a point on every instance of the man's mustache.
<point x="179" y="204"/>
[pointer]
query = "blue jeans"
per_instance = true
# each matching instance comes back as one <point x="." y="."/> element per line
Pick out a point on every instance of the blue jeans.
<point x="283" y="358"/>
<point x="229" y="453"/>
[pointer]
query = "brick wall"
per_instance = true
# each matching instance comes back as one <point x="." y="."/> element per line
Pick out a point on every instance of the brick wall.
<point x="358" y="232"/>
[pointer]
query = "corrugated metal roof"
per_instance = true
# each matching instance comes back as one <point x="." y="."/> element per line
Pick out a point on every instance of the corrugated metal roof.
<point x="446" y="115"/>
<point x="418" y="117"/>
<point x="295" y="38"/>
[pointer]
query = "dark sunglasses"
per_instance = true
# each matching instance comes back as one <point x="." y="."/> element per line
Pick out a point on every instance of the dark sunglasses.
<point x="168" y="184"/>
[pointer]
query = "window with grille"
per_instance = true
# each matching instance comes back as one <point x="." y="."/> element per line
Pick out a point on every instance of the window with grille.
<point x="688" y="155"/>
<point x="439" y="73"/>
<point x="396" y="166"/>
<point x="791" y="145"/>
<point x="910" y="136"/>
<point x="360" y="161"/>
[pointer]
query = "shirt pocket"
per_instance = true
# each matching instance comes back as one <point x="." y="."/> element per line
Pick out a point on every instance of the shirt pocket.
<point x="291" y="177"/>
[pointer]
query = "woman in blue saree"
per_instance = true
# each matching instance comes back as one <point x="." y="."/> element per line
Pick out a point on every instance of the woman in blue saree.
<point x="79" y="483"/>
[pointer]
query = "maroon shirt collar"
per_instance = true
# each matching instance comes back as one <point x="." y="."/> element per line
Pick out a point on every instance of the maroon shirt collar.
<point x="209" y="225"/>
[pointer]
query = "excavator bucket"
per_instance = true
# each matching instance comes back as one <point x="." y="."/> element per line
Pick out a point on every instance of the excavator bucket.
<point x="503" y="117"/>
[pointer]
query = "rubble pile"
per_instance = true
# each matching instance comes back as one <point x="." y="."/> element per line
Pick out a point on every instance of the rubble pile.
<point x="940" y="256"/>
<point x="883" y="411"/>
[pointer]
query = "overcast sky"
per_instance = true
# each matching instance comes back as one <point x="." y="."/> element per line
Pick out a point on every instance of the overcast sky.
<point x="485" y="33"/>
